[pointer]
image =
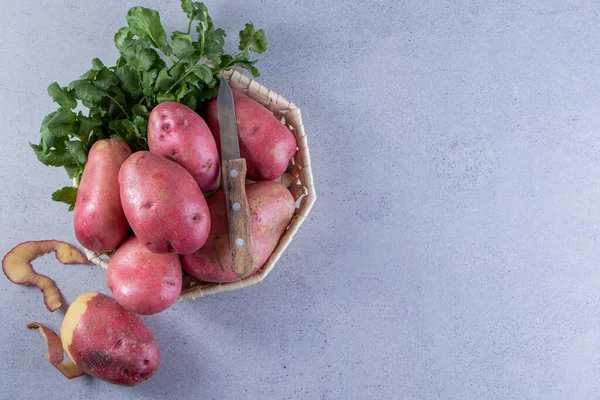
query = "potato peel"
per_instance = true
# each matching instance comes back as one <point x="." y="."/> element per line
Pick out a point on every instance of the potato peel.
<point x="55" y="354"/>
<point x="17" y="267"/>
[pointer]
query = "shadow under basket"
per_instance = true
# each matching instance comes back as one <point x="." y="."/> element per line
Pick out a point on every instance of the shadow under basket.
<point x="298" y="179"/>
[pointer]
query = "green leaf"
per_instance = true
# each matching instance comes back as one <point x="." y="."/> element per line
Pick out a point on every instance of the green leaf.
<point x="188" y="7"/>
<point x="122" y="36"/>
<point x="136" y="52"/>
<point x="165" y="97"/>
<point x="217" y="35"/>
<point x="145" y="23"/>
<point x="192" y="79"/>
<point x="207" y="93"/>
<point x="97" y="65"/>
<point x="75" y="148"/>
<point x="182" y="91"/>
<point x="183" y="48"/>
<point x="190" y="100"/>
<point x="141" y="110"/>
<point x="249" y="66"/>
<point x="181" y="35"/>
<point x="52" y="158"/>
<point x="159" y="64"/>
<point x="252" y="40"/>
<point x="86" y="125"/>
<point x="118" y="95"/>
<point x="47" y="137"/>
<point x="176" y="71"/>
<point x="73" y="170"/>
<point x="148" y="80"/>
<point x="57" y="125"/>
<point x="61" y="96"/>
<point x="66" y="195"/>
<point x="143" y="59"/>
<point x="213" y="41"/>
<point x="213" y="51"/>
<point x="139" y="55"/>
<point x="105" y="79"/>
<point x="89" y="94"/>
<point x="130" y="127"/>
<point x="141" y="123"/>
<point x="195" y="10"/>
<point x="116" y="125"/>
<point x="121" y="61"/>
<point x="243" y="60"/>
<point x="62" y="116"/>
<point x="226" y="62"/>
<point x="203" y="72"/>
<point x="89" y="75"/>
<point x="163" y="81"/>
<point x="129" y="81"/>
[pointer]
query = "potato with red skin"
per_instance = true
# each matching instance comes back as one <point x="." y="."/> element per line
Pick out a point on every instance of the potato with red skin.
<point x="265" y="143"/>
<point x="109" y="342"/>
<point x="271" y="209"/>
<point x="176" y="132"/>
<point x="163" y="204"/>
<point x="141" y="281"/>
<point x="99" y="220"/>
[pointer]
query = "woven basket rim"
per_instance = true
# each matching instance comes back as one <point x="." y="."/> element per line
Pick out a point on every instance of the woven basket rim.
<point x="299" y="177"/>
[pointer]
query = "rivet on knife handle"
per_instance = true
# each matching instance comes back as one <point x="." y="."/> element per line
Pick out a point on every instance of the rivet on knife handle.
<point x="238" y="215"/>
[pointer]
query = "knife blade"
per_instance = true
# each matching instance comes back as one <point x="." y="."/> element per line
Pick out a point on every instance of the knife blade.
<point x="230" y="147"/>
<point x="233" y="175"/>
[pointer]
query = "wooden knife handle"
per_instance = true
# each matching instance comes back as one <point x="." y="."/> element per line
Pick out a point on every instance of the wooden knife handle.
<point x="238" y="215"/>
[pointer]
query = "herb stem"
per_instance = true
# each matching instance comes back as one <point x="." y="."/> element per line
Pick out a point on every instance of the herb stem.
<point x="186" y="73"/>
<point x="117" y="103"/>
<point x="190" y="26"/>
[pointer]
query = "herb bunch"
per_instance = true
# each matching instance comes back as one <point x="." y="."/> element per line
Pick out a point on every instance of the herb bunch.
<point x="150" y="70"/>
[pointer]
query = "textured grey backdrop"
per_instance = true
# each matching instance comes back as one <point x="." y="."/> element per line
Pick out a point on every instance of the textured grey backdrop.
<point x="452" y="253"/>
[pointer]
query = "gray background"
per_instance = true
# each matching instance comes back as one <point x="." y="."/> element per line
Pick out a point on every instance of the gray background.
<point x="452" y="253"/>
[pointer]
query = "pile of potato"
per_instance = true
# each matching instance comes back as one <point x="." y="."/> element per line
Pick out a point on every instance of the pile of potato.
<point x="150" y="206"/>
<point x="159" y="195"/>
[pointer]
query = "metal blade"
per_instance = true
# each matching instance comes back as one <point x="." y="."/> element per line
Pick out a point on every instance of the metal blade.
<point x="230" y="147"/>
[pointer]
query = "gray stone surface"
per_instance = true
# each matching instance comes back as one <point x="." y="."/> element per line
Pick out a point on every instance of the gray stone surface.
<point x="452" y="253"/>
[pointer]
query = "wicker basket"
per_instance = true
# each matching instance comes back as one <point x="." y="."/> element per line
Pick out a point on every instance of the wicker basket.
<point x="298" y="179"/>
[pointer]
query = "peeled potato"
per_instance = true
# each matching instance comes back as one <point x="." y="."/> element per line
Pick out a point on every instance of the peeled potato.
<point x="104" y="340"/>
<point x="109" y="342"/>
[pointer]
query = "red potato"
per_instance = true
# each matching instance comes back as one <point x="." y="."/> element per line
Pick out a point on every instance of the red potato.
<point x="99" y="221"/>
<point x="141" y="281"/>
<point x="163" y="204"/>
<point x="265" y="143"/>
<point x="271" y="209"/>
<point x="17" y="267"/>
<point x="109" y="342"/>
<point x="176" y="132"/>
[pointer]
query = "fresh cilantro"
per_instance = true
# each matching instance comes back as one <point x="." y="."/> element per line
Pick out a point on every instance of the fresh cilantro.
<point x="145" y="23"/>
<point x="252" y="40"/>
<point x="61" y="96"/>
<point x="151" y="69"/>
<point x="73" y="170"/>
<point x="67" y="195"/>
<point x="97" y="65"/>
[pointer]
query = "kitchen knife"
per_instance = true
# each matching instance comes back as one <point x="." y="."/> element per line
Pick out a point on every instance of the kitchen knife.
<point x="233" y="174"/>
